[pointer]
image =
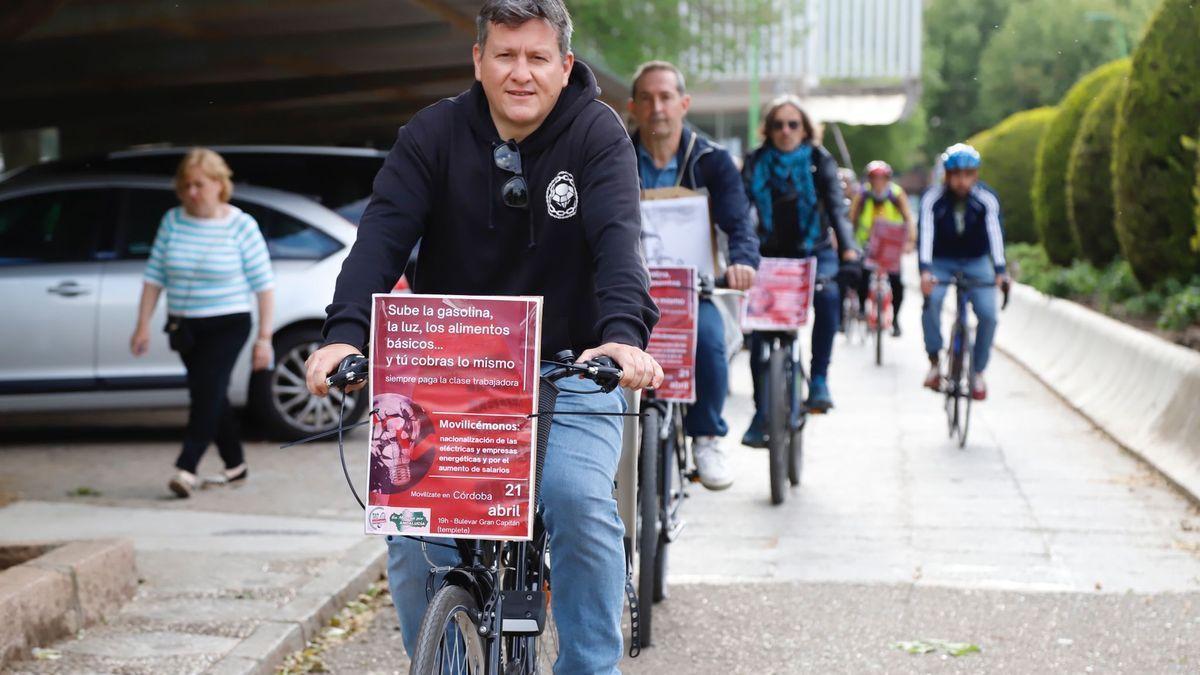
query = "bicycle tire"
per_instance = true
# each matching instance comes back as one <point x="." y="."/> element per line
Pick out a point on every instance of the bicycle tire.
<point x="878" y="329"/>
<point x="969" y="398"/>
<point x="672" y="465"/>
<point x="449" y="614"/>
<point x="649" y="526"/>
<point x="778" y="423"/>
<point x="796" y="437"/>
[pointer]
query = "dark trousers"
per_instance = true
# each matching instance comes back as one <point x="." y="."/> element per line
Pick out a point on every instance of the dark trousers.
<point x="864" y="286"/>
<point x="712" y="374"/>
<point x="219" y="340"/>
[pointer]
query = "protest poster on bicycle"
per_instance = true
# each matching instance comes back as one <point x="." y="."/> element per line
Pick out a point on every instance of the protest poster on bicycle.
<point x="673" y="342"/>
<point x="454" y="384"/>
<point x="676" y="229"/>
<point x="782" y="294"/>
<point x="886" y="245"/>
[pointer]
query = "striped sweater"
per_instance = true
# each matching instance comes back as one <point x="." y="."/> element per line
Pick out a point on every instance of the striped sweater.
<point x="209" y="266"/>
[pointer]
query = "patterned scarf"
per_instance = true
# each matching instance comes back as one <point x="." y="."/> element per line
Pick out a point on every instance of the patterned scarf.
<point x="783" y="176"/>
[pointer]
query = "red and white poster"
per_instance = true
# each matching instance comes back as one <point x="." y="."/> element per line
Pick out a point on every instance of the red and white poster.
<point x="454" y="384"/>
<point x="782" y="294"/>
<point x="673" y="342"/>
<point x="886" y="245"/>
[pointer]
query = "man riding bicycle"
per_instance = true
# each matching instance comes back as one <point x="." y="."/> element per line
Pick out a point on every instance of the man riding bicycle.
<point x="961" y="232"/>
<point x="671" y="154"/>
<point x="525" y="184"/>
<point x="881" y="198"/>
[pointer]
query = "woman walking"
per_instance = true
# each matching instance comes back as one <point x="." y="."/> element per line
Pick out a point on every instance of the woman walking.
<point x="794" y="186"/>
<point x="209" y="256"/>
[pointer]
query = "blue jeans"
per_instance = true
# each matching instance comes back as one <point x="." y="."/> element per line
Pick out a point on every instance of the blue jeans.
<point x="983" y="303"/>
<point x="712" y="375"/>
<point x="827" y="308"/>
<point x="586" y="535"/>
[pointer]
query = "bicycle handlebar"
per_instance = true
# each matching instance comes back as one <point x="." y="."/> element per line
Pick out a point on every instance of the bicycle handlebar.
<point x="603" y="371"/>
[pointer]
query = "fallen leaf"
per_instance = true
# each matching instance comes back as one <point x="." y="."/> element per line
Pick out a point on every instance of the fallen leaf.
<point x="46" y="654"/>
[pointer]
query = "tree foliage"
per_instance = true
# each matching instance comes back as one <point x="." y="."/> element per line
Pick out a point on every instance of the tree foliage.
<point x="620" y="36"/>
<point x="1007" y="150"/>
<point x="1089" y="178"/>
<point x="1050" y="175"/>
<point x="986" y="59"/>
<point x="956" y="33"/>
<point x="1154" y="171"/>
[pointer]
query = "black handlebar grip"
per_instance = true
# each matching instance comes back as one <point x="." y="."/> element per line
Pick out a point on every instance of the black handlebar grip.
<point x="351" y="370"/>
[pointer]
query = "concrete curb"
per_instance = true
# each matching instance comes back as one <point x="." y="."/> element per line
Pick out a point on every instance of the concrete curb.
<point x="56" y="594"/>
<point x="299" y="621"/>
<point x="1140" y="389"/>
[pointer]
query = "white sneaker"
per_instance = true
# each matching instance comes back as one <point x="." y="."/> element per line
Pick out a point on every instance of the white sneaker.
<point x="711" y="463"/>
<point x="182" y="484"/>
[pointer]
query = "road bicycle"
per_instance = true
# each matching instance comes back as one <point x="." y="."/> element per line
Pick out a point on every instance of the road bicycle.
<point x="879" y="308"/>
<point x="491" y="613"/>
<point x="959" y="381"/>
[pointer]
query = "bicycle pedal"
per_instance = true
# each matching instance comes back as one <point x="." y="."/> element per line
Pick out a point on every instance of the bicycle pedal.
<point x="523" y="612"/>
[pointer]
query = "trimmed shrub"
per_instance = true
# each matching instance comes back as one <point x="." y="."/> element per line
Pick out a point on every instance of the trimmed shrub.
<point x="1154" y="175"/>
<point x="1089" y="178"/>
<point x="1054" y="152"/>
<point x="1008" y="149"/>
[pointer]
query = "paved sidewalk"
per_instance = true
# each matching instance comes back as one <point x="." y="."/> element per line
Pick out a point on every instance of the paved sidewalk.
<point x="228" y="578"/>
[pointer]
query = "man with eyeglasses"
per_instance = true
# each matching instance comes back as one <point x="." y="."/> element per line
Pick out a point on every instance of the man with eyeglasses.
<point x="523" y="185"/>
<point x="672" y="154"/>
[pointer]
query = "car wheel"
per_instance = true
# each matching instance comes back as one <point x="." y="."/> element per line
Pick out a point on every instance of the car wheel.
<point x="280" y="400"/>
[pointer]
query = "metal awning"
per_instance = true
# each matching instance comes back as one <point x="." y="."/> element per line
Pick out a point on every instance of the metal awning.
<point x="114" y="73"/>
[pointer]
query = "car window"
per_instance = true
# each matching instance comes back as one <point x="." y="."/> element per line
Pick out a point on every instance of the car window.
<point x="289" y="238"/>
<point x="58" y="226"/>
<point x="144" y="209"/>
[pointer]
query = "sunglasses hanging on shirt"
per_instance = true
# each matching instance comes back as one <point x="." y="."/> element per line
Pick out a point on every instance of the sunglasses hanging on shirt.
<point x="515" y="191"/>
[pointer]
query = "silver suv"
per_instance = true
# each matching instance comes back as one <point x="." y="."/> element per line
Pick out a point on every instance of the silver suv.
<point x="72" y="254"/>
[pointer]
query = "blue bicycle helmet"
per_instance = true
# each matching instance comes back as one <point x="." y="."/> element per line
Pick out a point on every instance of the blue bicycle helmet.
<point x="960" y="156"/>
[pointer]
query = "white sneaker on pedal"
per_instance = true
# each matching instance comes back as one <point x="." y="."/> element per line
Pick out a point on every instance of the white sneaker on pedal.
<point x="711" y="463"/>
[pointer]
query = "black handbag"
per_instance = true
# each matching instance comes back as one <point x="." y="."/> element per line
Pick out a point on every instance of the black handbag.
<point x="179" y="334"/>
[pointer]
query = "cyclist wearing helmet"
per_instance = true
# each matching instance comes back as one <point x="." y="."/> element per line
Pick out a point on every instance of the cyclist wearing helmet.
<point x="880" y="197"/>
<point x="960" y="231"/>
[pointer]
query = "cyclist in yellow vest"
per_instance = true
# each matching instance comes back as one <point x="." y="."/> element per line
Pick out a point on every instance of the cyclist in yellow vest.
<point x="882" y="198"/>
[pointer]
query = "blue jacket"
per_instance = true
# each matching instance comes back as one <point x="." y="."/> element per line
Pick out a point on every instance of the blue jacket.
<point x="983" y="229"/>
<point x="710" y="167"/>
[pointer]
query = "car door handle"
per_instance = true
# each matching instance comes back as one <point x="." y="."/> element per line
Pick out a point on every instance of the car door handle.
<point x="68" y="289"/>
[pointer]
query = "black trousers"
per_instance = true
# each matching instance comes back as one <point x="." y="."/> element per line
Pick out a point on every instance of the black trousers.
<point x="219" y="340"/>
<point x="864" y="287"/>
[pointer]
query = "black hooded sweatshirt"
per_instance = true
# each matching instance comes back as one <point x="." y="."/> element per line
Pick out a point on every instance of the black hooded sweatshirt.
<point x="577" y="244"/>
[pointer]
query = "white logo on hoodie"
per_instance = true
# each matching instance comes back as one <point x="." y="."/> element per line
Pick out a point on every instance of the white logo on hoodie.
<point x="562" y="200"/>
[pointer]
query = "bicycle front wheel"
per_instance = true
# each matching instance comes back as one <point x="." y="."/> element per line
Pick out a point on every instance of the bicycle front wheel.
<point x="448" y="642"/>
<point x="878" y="332"/>
<point x="648" y="515"/>
<point x="778" y="423"/>
<point x="796" y="435"/>
<point x="969" y="396"/>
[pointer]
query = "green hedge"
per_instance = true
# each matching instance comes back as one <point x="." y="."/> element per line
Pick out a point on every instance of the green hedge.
<point x="1050" y="172"/>
<point x="1089" y="178"/>
<point x="1154" y="174"/>
<point x="1007" y="150"/>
